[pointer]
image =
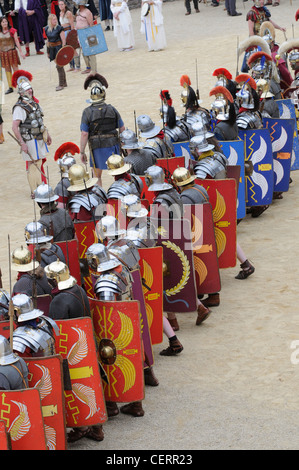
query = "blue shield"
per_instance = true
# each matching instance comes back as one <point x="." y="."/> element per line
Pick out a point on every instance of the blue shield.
<point x="281" y="132"/>
<point x="287" y="111"/>
<point x="92" y="40"/>
<point x="259" y="172"/>
<point x="234" y="152"/>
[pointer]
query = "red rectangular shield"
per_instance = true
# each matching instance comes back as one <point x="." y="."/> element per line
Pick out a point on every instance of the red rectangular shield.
<point x="45" y="374"/>
<point x="118" y="331"/>
<point x="84" y="405"/>
<point x="206" y="264"/>
<point x="223" y="199"/>
<point x="151" y="266"/>
<point x="86" y="236"/>
<point x="4" y="437"/>
<point x="5" y="328"/>
<point x="170" y="164"/>
<point x="22" y="414"/>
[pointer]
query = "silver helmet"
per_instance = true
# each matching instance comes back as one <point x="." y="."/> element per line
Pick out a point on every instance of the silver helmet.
<point x="7" y="356"/>
<point x="199" y="127"/>
<point x="155" y="179"/>
<point x="128" y="254"/>
<point x="199" y="144"/>
<point x="129" y="140"/>
<point x="45" y="194"/>
<point x="147" y="127"/>
<point x="23" y="307"/>
<point x="132" y="204"/>
<point x="98" y="258"/>
<point x="35" y="233"/>
<point x="65" y="164"/>
<point x="108" y="227"/>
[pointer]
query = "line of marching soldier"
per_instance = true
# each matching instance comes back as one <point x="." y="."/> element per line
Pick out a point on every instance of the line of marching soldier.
<point x="101" y="275"/>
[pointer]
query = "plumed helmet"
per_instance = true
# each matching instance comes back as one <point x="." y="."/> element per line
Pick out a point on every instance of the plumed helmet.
<point x="98" y="86"/>
<point x="61" y="273"/>
<point x="45" y="194"/>
<point x="7" y="356"/>
<point x="21" y="79"/>
<point x="64" y="156"/>
<point x="182" y="176"/>
<point x="21" y="260"/>
<point x="36" y="233"/>
<point x="147" y="127"/>
<point x="116" y="165"/>
<point x="99" y="259"/>
<point x="267" y="32"/>
<point x="244" y="95"/>
<point x="108" y="227"/>
<point x="129" y="140"/>
<point x="155" y="179"/>
<point x="133" y="206"/>
<point x="23" y="307"/>
<point x="79" y="178"/>
<point x="65" y="164"/>
<point x="223" y="76"/>
<point x="220" y="106"/>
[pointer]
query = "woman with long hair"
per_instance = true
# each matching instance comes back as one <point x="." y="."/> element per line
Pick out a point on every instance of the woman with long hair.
<point x="56" y="40"/>
<point x="9" y="47"/>
<point x="66" y="20"/>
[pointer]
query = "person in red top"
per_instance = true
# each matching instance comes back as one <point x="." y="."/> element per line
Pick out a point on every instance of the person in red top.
<point x="9" y="47"/>
<point x="257" y="15"/>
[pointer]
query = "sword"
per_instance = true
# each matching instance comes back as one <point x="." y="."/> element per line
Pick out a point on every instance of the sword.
<point x="28" y="153"/>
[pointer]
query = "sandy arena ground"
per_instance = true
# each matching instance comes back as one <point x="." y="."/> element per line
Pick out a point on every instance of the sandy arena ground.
<point x="234" y="385"/>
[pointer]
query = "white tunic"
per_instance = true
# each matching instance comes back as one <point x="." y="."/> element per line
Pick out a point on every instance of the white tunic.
<point x="37" y="148"/>
<point x="123" y="27"/>
<point x="153" y="28"/>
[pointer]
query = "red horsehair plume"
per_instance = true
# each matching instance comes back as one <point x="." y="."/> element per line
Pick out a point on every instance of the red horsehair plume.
<point x="18" y="74"/>
<point x="165" y="96"/>
<point x="222" y="71"/>
<point x="297" y="15"/>
<point x="246" y="78"/>
<point x="67" y="147"/>
<point x="185" y="80"/>
<point x="95" y="77"/>
<point x="258" y="55"/>
<point x="223" y="91"/>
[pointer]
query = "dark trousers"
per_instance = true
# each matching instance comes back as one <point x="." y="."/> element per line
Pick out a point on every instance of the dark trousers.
<point x="188" y="5"/>
<point x="230" y="6"/>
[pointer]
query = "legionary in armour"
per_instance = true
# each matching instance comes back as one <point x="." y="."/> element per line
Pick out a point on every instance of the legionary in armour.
<point x="291" y="47"/>
<point x="208" y="163"/>
<point x="13" y="369"/>
<point x="64" y="156"/>
<point x="31" y="279"/>
<point x="194" y="112"/>
<point x="177" y="129"/>
<point x="87" y="195"/>
<point x="125" y="181"/>
<point x="268" y="105"/>
<point x="248" y="116"/>
<point x="47" y="251"/>
<point x="191" y="193"/>
<point x="223" y="110"/>
<point x="69" y="299"/>
<point x="29" y="129"/>
<point x="261" y="65"/>
<point x="55" y="220"/>
<point x="35" y="333"/>
<point x="157" y="142"/>
<point x="224" y="78"/>
<point x="135" y="155"/>
<point x="100" y="124"/>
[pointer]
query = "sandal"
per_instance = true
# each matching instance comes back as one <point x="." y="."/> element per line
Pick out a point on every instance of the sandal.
<point x="95" y="433"/>
<point x="76" y="434"/>
<point x="247" y="270"/>
<point x="174" y="348"/>
<point x="258" y="210"/>
<point x="277" y="195"/>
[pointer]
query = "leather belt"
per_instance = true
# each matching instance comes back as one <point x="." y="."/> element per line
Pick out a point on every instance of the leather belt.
<point x="53" y="44"/>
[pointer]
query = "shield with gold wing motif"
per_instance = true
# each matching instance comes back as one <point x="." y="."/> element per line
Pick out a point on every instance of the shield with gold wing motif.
<point x="70" y="250"/>
<point x="281" y="133"/>
<point x="179" y="285"/>
<point x="21" y="412"/>
<point x="45" y="374"/>
<point x="204" y="247"/>
<point x="259" y="172"/>
<point x="151" y="270"/>
<point x="118" y="332"/>
<point x="84" y="405"/>
<point x="222" y="197"/>
<point x="4" y="437"/>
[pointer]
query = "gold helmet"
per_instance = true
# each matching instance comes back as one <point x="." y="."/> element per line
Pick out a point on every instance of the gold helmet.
<point x="182" y="176"/>
<point x="60" y="272"/>
<point x="79" y="178"/>
<point x="116" y="165"/>
<point x="21" y="260"/>
<point x="263" y="88"/>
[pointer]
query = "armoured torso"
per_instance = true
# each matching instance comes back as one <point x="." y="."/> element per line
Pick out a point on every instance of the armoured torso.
<point x="14" y="376"/>
<point x="140" y="161"/>
<point x="180" y="133"/>
<point x="161" y="148"/>
<point x="196" y="194"/>
<point x="270" y="109"/>
<point x="103" y="121"/>
<point x="258" y="16"/>
<point x="123" y="187"/>
<point x="171" y="200"/>
<point x="191" y="117"/>
<point x="249" y="120"/>
<point x="36" y="341"/>
<point x="33" y="126"/>
<point x="114" y="286"/>
<point x="213" y="166"/>
<point x="59" y="223"/>
<point x="6" y="42"/>
<point x="226" y="131"/>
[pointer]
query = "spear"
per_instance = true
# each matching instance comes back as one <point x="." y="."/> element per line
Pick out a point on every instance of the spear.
<point x="10" y="310"/>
